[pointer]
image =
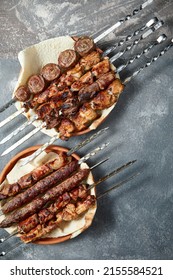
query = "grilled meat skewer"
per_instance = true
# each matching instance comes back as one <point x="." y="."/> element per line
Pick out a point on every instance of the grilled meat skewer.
<point x="48" y="213"/>
<point x="40" y="187"/>
<point x="37" y="203"/>
<point x="34" y="176"/>
<point x="69" y="213"/>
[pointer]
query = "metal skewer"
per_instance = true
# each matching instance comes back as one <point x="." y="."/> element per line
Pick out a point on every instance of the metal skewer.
<point x="20" y="128"/>
<point x="53" y="139"/>
<point x="22" y="140"/>
<point x="11" y="117"/>
<point x="150" y="23"/>
<point x="136" y="42"/>
<point x="153" y="59"/>
<point x="111" y="174"/>
<point x="120" y="22"/>
<point x="159" y="40"/>
<point x="7" y="105"/>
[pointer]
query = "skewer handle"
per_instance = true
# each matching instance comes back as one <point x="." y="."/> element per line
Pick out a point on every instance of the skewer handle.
<point x="153" y="59"/>
<point x="121" y="21"/>
<point x="39" y="151"/>
<point x="136" y="42"/>
<point x="11" y="117"/>
<point x="87" y="141"/>
<point x="93" y="153"/>
<point x="160" y="39"/>
<point x="7" y="105"/>
<point x="15" y="132"/>
<point x="22" y="140"/>
<point x="129" y="37"/>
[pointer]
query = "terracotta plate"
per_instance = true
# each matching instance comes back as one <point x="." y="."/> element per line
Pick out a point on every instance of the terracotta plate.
<point x="55" y="149"/>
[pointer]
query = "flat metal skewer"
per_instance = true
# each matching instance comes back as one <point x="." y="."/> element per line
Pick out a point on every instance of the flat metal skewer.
<point x="54" y="138"/>
<point x="120" y="22"/>
<point x="136" y="42"/>
<point x="153" y="59"/>
<point x="23" y="139"/>
<point x="159" y="40"/>
<point x="150" y="23"/>
<point x="19" y="129"/>
<point x="11" y="117"/>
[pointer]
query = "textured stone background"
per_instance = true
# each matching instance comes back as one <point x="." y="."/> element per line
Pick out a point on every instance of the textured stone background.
<point x="134" y="222"/>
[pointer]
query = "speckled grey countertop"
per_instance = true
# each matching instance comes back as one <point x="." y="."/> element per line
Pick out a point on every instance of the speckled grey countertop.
<point x="134" y="222"/>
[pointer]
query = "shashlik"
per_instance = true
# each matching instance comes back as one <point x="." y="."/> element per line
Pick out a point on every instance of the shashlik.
<point x="50" y="195"/>
<point x="31" y="178"/>
<point x="59" y="91"/>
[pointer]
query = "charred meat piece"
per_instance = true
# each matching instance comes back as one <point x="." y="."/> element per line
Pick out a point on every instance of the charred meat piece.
<point x="108" y="97"/>
<point x="88" y="61"/>
<point x="105" y="80"/>
<point x="84" y="45"/>
<point x="22" y="93"/>
<point x="87" y="78"/>
<point x="49" y="212"/>
<point x="84" y="205"/>
<point x="32" y="222"/>
<point x="9" y="190"/>
<point x="70" y="77"/>
<point x="69" y="213"/>
<point x="67" y="59"/>
<point x="84" y="117"/>
<point x="76" y="72"/>
<point x="57" y="100"/>
<point x="66" y="129"/>
<point x="70" y="106"/>
<point x="88" y="92"/>
<point x="43" y="110"/>
<point x="116" y="87"/>
<point x="52" y="120"/>
<point x="36" y="84"/>
<point x="103" y="100"/>
<point x="50" y="72"/>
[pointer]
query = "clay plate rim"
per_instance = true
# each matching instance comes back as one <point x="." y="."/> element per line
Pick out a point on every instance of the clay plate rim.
<point x="25" y="153"/>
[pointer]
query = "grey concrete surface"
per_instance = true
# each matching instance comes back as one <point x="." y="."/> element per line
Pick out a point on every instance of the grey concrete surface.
<point x="135" y="221"/>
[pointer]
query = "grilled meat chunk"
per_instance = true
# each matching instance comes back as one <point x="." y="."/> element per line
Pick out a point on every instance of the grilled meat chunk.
<point x="88" y="61"/>
<point x="66" y="129"/>
<point x="84" y="117"/>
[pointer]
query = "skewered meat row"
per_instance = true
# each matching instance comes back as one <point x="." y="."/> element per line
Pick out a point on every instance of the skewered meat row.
<point x="49" y="212"/>
<point x="50" y="195"/>
<point x="34" y="176"/>
<point x="59" y="91"/>
<point x="69" y="213"/>
<point x="40" y="187"/>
